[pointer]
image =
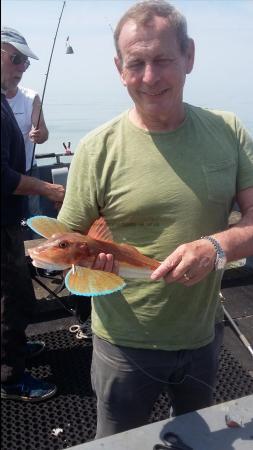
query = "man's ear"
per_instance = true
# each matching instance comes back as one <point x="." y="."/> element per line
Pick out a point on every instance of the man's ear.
<point x="190" y="54"/>
<point x="119" y="65"/>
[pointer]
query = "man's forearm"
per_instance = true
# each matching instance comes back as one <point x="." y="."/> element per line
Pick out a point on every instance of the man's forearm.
<point x="237" y="241"/>
<point x="43" y="136"/>
<point x="32" y="186"/>
<point x="39" y="132"/>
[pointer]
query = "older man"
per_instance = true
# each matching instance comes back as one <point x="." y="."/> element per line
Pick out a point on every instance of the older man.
<point x="26" y="106"/>
<point x="164" y="175"/>
<point x="17" y="297"/>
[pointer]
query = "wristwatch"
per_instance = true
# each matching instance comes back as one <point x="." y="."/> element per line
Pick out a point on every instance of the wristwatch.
<point x="221" y="260"/>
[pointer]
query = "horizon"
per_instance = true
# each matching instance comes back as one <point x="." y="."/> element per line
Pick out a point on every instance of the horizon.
<point x="84" y="90"/>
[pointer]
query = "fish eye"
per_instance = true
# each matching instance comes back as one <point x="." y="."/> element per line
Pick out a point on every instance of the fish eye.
<point x="63" y="244"/>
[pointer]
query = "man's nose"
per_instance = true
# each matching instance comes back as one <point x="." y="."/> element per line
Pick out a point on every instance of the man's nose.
<point x="150" y="75"/>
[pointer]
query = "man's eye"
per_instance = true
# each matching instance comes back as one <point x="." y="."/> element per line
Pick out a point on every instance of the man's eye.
<point x="164" y="61"/>
<point x="134" y="65"/>
<point x="63" y="244"/>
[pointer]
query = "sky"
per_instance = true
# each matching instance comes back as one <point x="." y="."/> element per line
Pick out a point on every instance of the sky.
<point x="86" y="83"/>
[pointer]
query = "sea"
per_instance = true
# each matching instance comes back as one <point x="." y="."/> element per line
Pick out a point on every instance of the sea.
<point x="70" y="122"/>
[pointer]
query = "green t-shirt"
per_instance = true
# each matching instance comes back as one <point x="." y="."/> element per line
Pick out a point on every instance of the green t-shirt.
<point x="156" y="191"/>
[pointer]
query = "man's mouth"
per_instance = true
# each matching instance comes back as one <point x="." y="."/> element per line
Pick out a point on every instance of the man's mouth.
<point x="155" y="94"/>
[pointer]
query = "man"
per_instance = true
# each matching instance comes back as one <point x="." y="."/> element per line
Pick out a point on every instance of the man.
<point x="26" y="106"/>
<point x="17" y="298"/>
<point x="164" y="175"/>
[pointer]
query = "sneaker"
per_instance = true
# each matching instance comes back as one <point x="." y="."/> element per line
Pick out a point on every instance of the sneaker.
<point x="29" y="389"/>
<point x="34" y="348"/>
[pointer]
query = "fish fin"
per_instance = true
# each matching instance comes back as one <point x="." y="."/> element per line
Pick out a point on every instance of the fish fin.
<point x="91" y="283"/>
<point x="141" y="260"/>
<point x="99" y="230"/>
<point x="130" y="248"/>
<point x="46" y="226"/>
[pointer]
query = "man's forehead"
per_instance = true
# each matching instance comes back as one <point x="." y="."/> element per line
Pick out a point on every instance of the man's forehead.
<point x="158" y="26"/>
<point x="10" y="48"/>
<point x="131" y="25"/>
<point x="134" y="39"/>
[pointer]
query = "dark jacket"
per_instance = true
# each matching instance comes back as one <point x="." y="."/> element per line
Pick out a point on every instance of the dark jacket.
<point x="12" y="166"/>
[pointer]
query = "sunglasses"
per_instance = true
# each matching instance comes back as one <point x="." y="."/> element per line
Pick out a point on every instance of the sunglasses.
<point x="17" y="59"/>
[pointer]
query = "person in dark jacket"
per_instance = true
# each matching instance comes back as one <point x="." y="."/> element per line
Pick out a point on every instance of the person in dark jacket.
<point x="17" y="297"/>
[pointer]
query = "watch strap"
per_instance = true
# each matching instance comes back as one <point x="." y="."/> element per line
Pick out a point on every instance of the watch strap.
<point x="220" y="260"/>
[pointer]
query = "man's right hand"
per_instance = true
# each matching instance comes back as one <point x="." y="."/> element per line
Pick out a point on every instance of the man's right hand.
<point x="106" y="262"/>
<point x="55" y="192"/>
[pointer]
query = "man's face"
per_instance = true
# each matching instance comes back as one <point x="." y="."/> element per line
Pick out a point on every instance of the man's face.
<point x="11" y="74"/>
<point x="153" y="67"/>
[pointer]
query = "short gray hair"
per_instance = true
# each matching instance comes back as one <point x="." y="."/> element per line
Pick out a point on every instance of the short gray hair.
<point x="143" y="12"/>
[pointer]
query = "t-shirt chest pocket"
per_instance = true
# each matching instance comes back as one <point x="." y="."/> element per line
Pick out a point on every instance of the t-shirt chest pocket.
<point x="220" y="181"/>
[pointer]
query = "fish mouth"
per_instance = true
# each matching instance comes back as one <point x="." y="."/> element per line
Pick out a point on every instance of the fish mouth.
<point x="43" y="263"/>
<point x="48" y="265"/>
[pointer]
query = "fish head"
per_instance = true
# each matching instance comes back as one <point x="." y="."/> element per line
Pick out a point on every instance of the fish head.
<point x="60" y="251"/>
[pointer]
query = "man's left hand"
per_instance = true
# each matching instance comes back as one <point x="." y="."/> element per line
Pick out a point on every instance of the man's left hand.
<point x="188" y="264"/>
<point x="35" y="135"/>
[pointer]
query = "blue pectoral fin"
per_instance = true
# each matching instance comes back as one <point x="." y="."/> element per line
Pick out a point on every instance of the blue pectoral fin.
<point x="46" y="226"/>
<point x="91" y="283"/>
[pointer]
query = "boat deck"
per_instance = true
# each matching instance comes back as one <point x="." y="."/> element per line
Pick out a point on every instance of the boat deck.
<point x="69" y="418"/>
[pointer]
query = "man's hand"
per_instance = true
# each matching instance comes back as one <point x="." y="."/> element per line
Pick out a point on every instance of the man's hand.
<point x="55" y="193"/>
<point x="188" y="264"/>
<point x="37" y="136"/>
<point x="106" y="262"/>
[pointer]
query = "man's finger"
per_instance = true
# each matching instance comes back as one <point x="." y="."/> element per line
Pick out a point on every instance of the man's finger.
<point x="165" y="267"/>
<point x="109" y="263"/>
<point x="99" y="262"/>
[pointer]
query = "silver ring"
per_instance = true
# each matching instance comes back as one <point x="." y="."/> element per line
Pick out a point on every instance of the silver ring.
<point x="187" y="278"/>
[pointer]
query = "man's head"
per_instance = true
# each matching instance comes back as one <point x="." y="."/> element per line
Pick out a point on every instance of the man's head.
<point x="143" y="12"/>
<point x="154" y="54"/>
<point x="14" y="57"/>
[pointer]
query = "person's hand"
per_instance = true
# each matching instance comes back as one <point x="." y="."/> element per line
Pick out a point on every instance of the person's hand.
<point x="57" y="206"/>
<point x="188" y="264"/>
<point x="36" y="136"/>
<point x="106" y="262"/>
<point x="55" y="193"/>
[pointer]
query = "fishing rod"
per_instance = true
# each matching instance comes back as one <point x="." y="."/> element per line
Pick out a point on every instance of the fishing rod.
<point x="236" y="328"/>
<point x="45" y="84"/>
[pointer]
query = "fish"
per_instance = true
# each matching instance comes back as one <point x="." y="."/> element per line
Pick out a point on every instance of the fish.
<point x="65" y="248"/>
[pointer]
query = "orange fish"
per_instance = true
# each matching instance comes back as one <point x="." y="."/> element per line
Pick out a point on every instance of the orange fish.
<point x="65" y="248"/>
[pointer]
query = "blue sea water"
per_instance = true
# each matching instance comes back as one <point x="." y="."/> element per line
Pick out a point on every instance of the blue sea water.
<point x="69" y="122"/>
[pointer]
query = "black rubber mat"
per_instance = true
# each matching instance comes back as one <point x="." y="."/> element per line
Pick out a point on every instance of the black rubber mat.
<point x="69" y="418"/>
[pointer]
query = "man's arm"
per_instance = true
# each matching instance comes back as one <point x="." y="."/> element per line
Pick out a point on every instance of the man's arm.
<point x="40" y="134"/>
<point x="237" y="242"/>
<point x="34" y="186"/>
<point x="196" y="259"/>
